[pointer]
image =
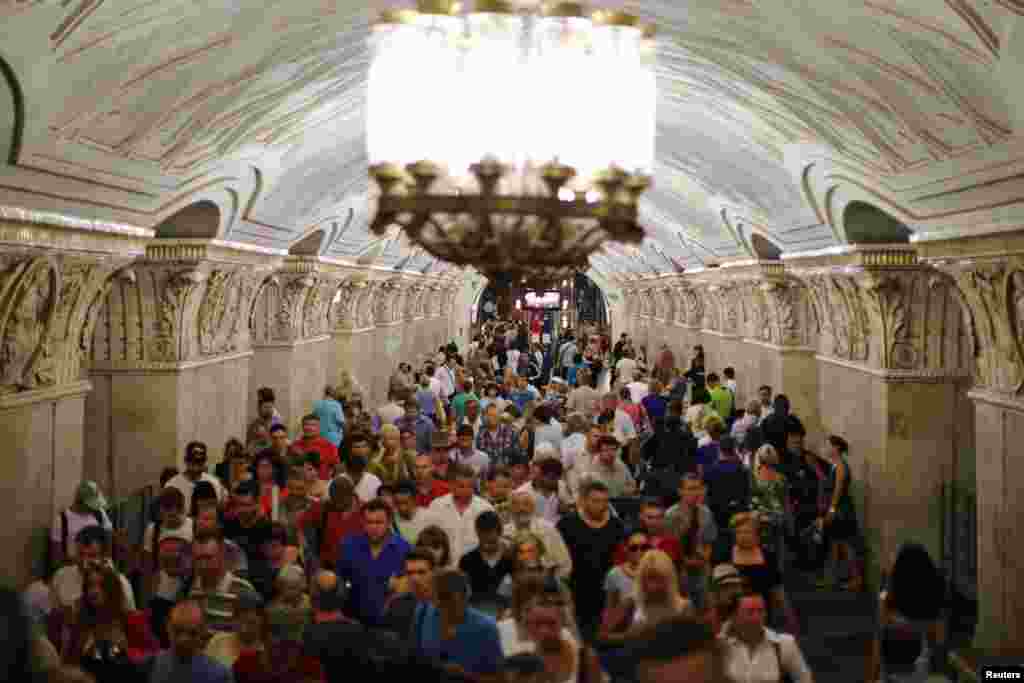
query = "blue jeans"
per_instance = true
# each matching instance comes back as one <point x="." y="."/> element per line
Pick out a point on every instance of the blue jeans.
<point x="697" y="588"/>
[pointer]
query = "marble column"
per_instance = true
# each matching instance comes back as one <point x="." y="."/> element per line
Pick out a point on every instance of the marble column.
<point x="893" y="368"/>
<point x="989" y="277"/>
<point x="291" y="340"/>
<point x="170" y="357"/>
<point x="52" y="281"/>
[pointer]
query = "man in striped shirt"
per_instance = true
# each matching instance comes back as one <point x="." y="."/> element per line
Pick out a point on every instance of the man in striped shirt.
<point x="214" y="587"/>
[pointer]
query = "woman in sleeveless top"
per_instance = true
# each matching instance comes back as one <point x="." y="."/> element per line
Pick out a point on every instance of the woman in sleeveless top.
<point x="840" y="521"/>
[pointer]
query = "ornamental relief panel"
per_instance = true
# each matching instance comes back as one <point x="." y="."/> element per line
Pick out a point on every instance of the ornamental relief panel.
<point x="224" y="305"/>
<point x="364" y="307"/>
<point x="316" y="309"/>
<point x="343" y="306"/>
<point x="29" y="295"/>
<point x="991" y="294"/>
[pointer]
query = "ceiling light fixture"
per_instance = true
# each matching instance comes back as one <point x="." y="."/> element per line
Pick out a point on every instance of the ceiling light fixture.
<point x="516" y="142"/>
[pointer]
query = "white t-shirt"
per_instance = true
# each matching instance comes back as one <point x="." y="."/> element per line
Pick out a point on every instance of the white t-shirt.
<point x="76" y="523"/>
<point x="186" y="486"/>
<point x="625" y="430"/>
<point x="183" y="532"/>
<point x="573" y="447"/>
<point x="627" y="370"/>
<point x="513" y="358"/>
<point x="366" y="489"/>
<point x="67" y="587"/>
<point x="638" y="390"/>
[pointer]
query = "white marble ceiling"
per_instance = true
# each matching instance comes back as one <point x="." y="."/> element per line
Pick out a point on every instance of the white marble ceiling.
<point x="133" y="109"/>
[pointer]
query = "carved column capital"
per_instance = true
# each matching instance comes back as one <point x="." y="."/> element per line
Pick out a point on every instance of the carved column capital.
<point x="990" y="291"/>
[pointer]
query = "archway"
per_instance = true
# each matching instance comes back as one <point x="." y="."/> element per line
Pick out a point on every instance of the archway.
<point x="567" y="304"/>
<point x="196" y="221"/>
<point x="12" y="114"/>
<point x="764" y="249"/>
<point x="867" y="224"/>
<point x="309" y="245"/>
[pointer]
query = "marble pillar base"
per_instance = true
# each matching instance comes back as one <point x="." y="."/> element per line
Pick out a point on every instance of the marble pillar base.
<point x="140" y="419"/>
<point x="42" y="465"/>
<point x="1000" y="431"/>
<point x="296" y="371"/>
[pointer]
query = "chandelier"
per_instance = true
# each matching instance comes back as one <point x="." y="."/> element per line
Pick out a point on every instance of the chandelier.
<point x="513" y="140"/>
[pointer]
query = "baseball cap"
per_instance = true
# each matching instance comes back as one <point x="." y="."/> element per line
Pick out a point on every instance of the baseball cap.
<point x="725" y="574"/>
<point x="89" y="495"/>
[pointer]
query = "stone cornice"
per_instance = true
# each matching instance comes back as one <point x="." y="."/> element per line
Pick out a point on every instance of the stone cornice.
<point x="784" y="350"/>
<point x="854" y="257"/>
<point x="989" y="246"/>
<point x="898" y="376"/>
<point x="997" y="399"/>
<point x="115" y="240"/>
<point x="195" y="251"/>
<point x="291" y="344"/>
<point x="152" y="367"/>
<point x="57" y="392"/>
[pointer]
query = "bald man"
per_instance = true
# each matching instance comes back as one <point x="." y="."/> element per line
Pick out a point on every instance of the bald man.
<point x="328" y="600"/>
<point x="523" y="515"/>
<point x="185" y="660"/>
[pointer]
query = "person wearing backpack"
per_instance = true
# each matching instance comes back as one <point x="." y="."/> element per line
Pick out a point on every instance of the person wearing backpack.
<point x="728" y="482"/>
<point x="89" y="509"/>
<point x="754" y="653"/>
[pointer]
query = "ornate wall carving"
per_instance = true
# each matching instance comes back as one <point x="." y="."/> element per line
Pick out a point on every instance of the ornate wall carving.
<point x="991" y="295"/>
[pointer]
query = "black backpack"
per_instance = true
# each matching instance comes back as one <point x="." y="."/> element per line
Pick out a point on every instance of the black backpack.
<point x="728" y="493"/>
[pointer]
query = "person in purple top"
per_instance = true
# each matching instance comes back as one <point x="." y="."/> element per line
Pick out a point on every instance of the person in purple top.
<point x="370" y="560"/>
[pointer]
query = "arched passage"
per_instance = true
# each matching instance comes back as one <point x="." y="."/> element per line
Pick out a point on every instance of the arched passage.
<point x="867" y="224"/>
<point x="764" y="249"/>
<point x="12" y="114"/>
<point x="196" y="221"/>
<point x="309" y="245"/>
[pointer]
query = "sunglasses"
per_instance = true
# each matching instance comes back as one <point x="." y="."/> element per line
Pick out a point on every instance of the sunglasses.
<point x="637" y="548"/>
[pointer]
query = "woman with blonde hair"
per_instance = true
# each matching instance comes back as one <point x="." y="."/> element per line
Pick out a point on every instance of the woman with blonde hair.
<point x="656" y="597"/>
<point x="391" y="465"/>
<point x="658" y="590"/>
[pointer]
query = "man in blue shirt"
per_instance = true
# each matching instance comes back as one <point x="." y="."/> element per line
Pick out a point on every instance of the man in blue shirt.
<point x="462" y="639"/>
<point x="369" y="561"/>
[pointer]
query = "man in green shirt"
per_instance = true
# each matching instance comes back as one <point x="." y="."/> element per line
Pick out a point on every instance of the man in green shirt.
<point x="721" y="396"/>
<point x="459" y="402"/>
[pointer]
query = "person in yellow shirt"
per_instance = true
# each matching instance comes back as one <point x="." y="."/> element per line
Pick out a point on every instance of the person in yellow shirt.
<point x="721" y="397"/>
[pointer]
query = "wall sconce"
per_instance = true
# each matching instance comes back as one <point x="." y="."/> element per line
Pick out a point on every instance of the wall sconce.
<point x="565" y="305"/>
<point x="519" y="304"/>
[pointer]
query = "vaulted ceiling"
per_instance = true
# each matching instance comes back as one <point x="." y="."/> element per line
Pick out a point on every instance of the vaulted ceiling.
<point x="128" y="111"/>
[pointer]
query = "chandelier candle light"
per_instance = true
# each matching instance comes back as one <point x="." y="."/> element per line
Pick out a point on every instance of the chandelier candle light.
<point x="513" y="140"/>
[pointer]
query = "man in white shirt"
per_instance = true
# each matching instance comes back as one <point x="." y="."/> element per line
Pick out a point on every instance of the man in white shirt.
<point x="446" y="376"/>
<point x="754" y="653"/>
<point x="611" y="470"/>
<point x="626" y="367"/>
<point x="366" y="483"/>
<point x="195" y="471"/>
<point x="393" y="409"/>
<point x="524" y="517"/>
<point x="457" y="511"/>
<point x="550" y="492"/>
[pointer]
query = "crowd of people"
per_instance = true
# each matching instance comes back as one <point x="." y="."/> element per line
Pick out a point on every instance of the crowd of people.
<point x="528" y="511"/>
